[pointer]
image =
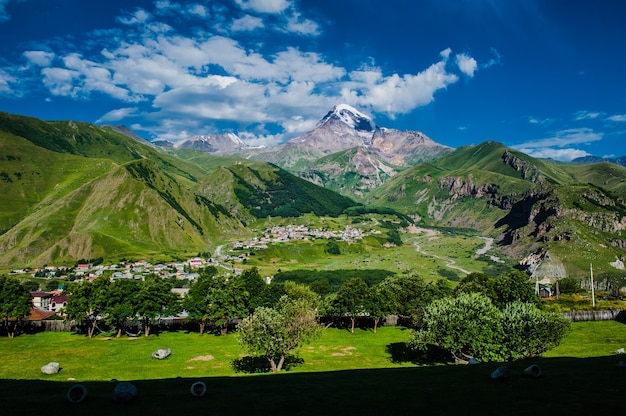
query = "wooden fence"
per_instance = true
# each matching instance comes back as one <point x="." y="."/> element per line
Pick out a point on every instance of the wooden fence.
<point x="604" y="315"/>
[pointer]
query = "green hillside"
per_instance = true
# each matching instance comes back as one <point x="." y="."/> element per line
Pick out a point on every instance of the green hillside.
<point x="75" y="190"/>
<point x="562" y="215"/>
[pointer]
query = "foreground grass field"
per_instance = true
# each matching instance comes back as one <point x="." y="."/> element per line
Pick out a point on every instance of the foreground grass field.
<point x="340" y="373"/>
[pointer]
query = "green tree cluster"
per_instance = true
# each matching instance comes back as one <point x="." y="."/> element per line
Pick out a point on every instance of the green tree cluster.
<point x="115" y="303"/>
<point x="471" y="325"/>
<point x="15" y="304"/>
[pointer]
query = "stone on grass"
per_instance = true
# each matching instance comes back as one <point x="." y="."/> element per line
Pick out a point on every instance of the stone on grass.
<point x="51" y="368"/>
<point x="500" y="373"/>
<point x="77" y="393"/>
<point x="161" y="353"/>
<point x="124" y="392"/>
<point x="473" y="361"/>
<point x="619" y="351"/>
<point x="533" y="371"/>
<point x="198" y="389"/>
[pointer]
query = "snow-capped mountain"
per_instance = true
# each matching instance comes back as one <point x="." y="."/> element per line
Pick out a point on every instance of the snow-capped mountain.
<point x="213" y="143"/>
<point x="345" y="127"/>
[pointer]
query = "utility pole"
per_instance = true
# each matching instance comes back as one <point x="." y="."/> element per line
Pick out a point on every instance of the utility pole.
<point x="593" y="293"/>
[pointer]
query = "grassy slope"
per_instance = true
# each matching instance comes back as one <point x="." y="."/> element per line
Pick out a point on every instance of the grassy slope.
<point x="354" y="374"/>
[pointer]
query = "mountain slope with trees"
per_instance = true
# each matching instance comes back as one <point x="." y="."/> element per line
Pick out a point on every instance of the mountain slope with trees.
<point x="561" y="216"/>
<point x="76" y="190"/>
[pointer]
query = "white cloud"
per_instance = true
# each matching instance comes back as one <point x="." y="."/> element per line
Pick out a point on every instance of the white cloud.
<point x="466" y="64"/>
<point x="559" y="147"/>
<point x="264" y="6"/>
<point x="164" y="7"/>
<point x="4" y="15"/>
<point x="185" y="80"/>
<point x="563" y="155"/>
<point x="5" y="81"/>
<point x="140" y="16"/>
<point x="296" y="24"/>
<point x="536" y="120"/>
<point x="39" y="58"/>
<point x="617" y="117"/>
<point x="495" y="60"/>
<point x="397" y="94"/>
<point x="586" y="115"/>
<point x="117" y="114"/>
<point x="247" y="23"/>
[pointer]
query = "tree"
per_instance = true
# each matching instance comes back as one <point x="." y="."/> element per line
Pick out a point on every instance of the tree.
<point x="87" y="302"/>
<point x="332" y="248"/>
<point x="196" y="301"/>
<point x="476" y="283"/>
<point x="227" y="301"/>
<point x="254" y="288"/>
<point x="15" y="304"/>
<point x="466" y="326"/>
<point x="381" y="302"/>
<point x="529" y="332"/>
<point x="296" y="291"/>
<point x="155" y="299"/>
<point x="121" y="303"/>
<point x="470" y="325"/>
<point x="274" y="332"/>
<point x="513" y="287"/>
<point x="351" y="299"/>
<point x="410" y="295"/>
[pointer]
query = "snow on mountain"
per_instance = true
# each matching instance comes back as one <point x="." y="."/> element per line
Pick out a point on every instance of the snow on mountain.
<point x="350" y="116"/>
<point x="212" y="143"/>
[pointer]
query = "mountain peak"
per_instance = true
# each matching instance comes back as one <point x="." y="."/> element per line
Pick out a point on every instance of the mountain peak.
<point x="349" y="116"/>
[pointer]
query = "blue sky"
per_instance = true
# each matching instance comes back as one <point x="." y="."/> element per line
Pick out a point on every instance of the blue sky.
<point x="546" y="77"/>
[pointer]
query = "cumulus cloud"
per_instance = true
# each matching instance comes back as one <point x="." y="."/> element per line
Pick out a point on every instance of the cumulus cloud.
<point x="247" y="23"/>
<point x="183" y="80"/>
<point x="467" y="64"/>
<point x="561" y="145"/>
<point x="299" y="25"/>
<point x="39" y="58"/>
<point x="398" y="94"/>
<point x="264" y="6"/>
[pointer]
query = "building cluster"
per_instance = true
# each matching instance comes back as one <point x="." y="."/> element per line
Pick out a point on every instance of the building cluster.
<point x="282" y="234"/>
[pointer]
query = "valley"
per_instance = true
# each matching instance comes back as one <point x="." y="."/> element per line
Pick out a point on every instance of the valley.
<point x="79" y="191"/>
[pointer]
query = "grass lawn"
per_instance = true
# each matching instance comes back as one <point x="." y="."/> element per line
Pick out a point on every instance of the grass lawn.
<point x="340" y="373"/>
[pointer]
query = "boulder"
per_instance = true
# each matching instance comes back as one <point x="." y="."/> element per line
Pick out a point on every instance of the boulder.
<point x="51" y="368"/>
<point x="124" y="392"/>
<point x="161" y="353"/>
<point x="619" y="351"/>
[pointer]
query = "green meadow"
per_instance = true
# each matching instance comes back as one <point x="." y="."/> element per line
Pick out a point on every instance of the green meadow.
<point x="338" y="373"/>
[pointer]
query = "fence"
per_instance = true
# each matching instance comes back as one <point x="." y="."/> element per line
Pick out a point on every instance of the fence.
<point x="605" y="315"/>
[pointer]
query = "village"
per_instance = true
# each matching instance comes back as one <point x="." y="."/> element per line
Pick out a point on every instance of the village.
<point x="49" y="303"/>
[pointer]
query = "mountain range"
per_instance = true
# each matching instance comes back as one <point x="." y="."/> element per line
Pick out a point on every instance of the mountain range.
<point x="76" y="190"/>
